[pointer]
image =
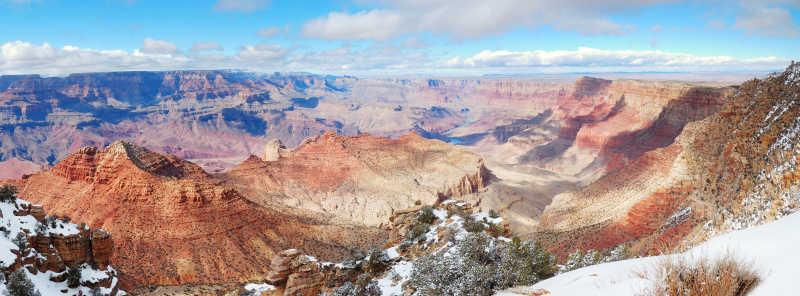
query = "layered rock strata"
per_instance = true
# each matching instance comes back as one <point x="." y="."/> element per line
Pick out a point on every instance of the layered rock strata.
<point x="362" y="178"/>
<point x="175" y="224"/>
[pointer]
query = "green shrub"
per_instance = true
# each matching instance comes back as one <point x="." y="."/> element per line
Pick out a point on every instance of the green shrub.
<point x="356" y="256"/>
<point x="19" y="284"/>
<point x="417" y="233"/>
<point x="495" y="230"/>
<point x="478" y="265"/>
<point x="378" y="261"/>
<point x="456" y="211"/>
<point x="471" y="225"/>
<point x="579" y="259"/>
<point x="74" y="276"/>
<point x="525" y="263"/>
<point x="8" y="193"/>
<point x="426" y="216"/>
<point x="364" y="286"/>
<point x="494" y="214"/>
<point x="21" y="240"/>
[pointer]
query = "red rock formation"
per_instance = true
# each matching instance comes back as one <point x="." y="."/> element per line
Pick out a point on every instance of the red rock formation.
<point x="731" y="170"/>
<point x="362" y="178"/>
<point x="175" y="224"/>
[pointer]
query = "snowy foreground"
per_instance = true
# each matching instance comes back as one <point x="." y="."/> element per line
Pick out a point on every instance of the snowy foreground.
<point x="770" y="248"/>
<point x="13" y="225"/>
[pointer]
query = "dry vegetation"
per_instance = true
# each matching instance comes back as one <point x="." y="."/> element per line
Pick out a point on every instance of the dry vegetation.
<point x="724" y="276"/>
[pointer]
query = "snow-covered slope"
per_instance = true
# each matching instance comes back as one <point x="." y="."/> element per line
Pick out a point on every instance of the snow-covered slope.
<point x="34" y="263"/>
<point x="771" y="248"/>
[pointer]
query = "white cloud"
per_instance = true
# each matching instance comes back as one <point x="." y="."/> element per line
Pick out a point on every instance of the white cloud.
<point x="21" y="57"/>
<point x="262" y="52"/>
<point x="764" y="21"/>
<point x="153" y="46"/>
<point x="374" y="24"/>
<point x="25" y="58"/>
<point x="590" y="58"/>
<point x="473" y="18"/>
<point x="241" y="5"/>
<point x="205" y="46"/>
<point x="269" y="32"/>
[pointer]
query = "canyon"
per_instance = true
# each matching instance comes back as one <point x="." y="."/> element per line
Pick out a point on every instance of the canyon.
<point x="731" y="170"/>
<point x="177" y="224"/>
<point x="205" y="177"/>
<point x="537" y="137"/>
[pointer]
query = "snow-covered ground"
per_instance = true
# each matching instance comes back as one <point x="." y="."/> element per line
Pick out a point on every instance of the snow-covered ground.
<point x="41" y="280"/>
<point x="771" y="248"/>
<point x="256" y="289"/>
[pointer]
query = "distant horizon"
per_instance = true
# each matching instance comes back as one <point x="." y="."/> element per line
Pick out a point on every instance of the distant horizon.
<point x="398" y="37"/>
<point x="423" y="76"/>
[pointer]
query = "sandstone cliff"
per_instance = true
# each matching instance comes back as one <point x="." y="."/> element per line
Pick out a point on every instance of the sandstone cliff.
<point x="175" y="224"/>
<point x="592" y="130"/>
<point x="361" y="178"/>
<point x="45" y="247"/>
<point x="731" y="170"/>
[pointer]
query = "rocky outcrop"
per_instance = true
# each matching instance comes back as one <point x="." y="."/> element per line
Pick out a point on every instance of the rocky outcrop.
<point x="362" y="178"/>
<point x="295" y="274"/>
<point x="281" y="266"/>
<point x="173" y="223"/>
<point x="89" y="246"/>
<point x="726" y="171"/>
<point x="274" y="150"/>
<point x="305" y="278"/>
<point x="53" y="245"/>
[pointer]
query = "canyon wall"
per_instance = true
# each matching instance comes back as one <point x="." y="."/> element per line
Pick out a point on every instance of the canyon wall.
<point x="731" y="170"/>
<point x="361" y="178"/>
<point x="175" y="224"/>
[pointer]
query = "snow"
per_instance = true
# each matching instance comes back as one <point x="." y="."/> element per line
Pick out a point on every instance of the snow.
<point x="400" y="272"/>
<point x="770" y="247"/>
<point x="256" y="289"/>
<point x="483" y="215"/>
<point x="392" y="253"/>
<point x="91" y="275"/>
<point x="41" y="280"/>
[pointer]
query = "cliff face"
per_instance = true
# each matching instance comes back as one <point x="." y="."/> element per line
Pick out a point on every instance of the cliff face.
<point x="730" y="170"/>
<point x="362" y="178"/>
<point x="46" y="246"/>
<point x="175" y="224"/>
<point x="594" y="129"/>
<point x="217" y="117"/>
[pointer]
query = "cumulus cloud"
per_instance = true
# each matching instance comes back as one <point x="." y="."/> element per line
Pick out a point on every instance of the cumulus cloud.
<point x="775" y="22"/>
<point x="21" y="57"/>
<point x="153" y="46"/>
<point x="25" y="58"/>
<point x="472" y="18"/>
<point x="585" y="57"/>
<point x="241" y="5"/>
<point x="262" y="53"/>
<point x="205" y="46"/>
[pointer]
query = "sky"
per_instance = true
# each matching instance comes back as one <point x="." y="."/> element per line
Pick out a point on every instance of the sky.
<point x="398" y="37"/>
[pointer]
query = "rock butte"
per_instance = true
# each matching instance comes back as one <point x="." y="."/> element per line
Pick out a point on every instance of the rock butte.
<point x="176" y="224"/>
<point x="361" y="178"/>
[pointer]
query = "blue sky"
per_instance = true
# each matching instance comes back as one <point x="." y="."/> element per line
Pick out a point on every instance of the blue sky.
<point x="398" y="37"/>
